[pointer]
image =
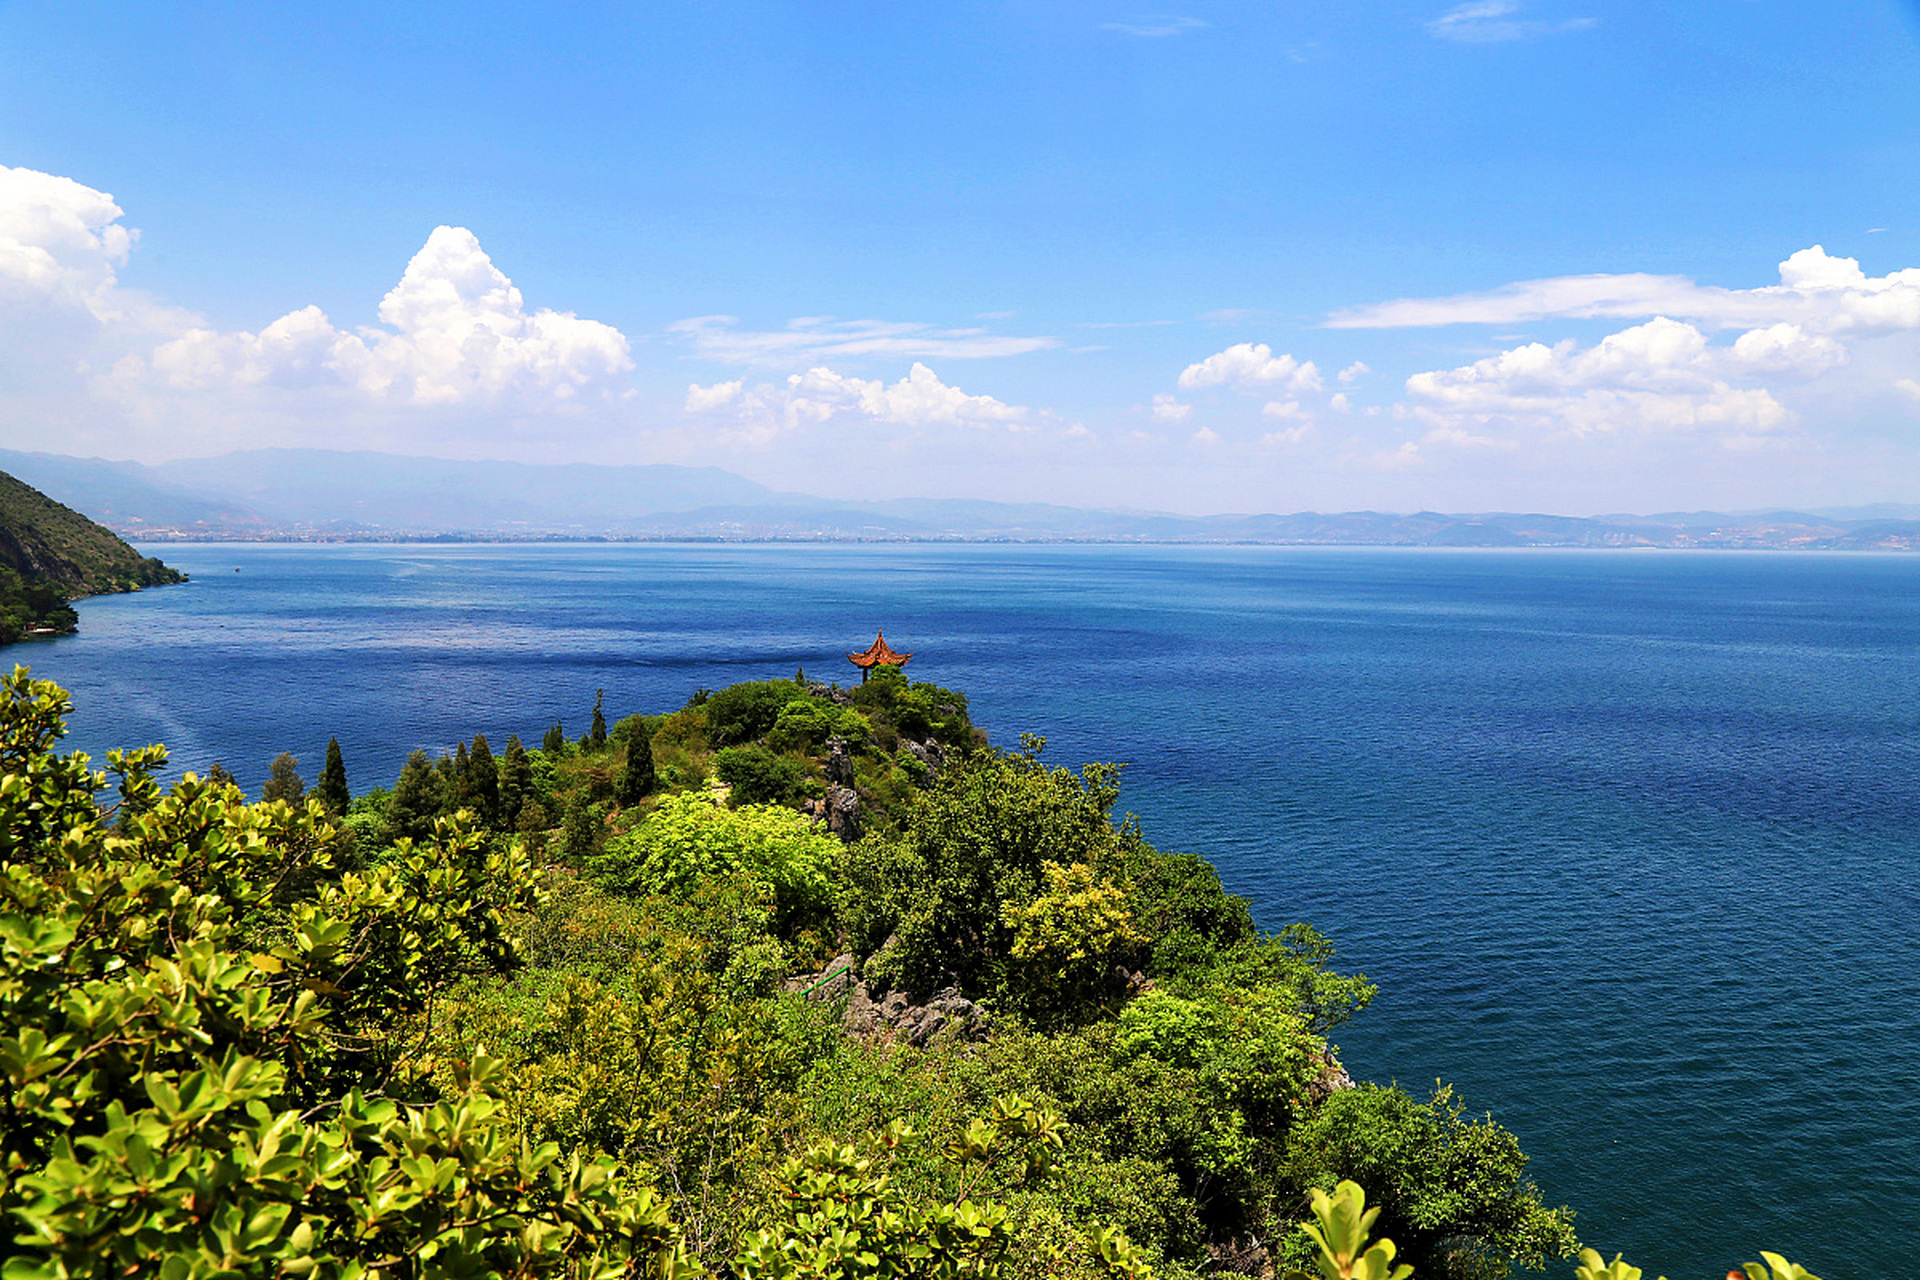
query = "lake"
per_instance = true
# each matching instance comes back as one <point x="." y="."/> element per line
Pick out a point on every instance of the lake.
<point x="1628" y="839"/>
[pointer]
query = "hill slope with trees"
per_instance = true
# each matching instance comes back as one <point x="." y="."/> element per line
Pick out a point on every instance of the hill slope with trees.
<point x="50" y="555"/>
<point x="793" y="983"/>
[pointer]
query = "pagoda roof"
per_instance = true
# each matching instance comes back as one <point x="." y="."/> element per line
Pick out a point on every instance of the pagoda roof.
<point x="877" y="654"/>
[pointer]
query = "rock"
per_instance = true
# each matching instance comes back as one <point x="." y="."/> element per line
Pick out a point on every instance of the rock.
<point x="839" y="762"/>
<point x="897" y="1017"/>
<point x="832" y="983"/>
<point x="843" y="813"/>
<point x="931" y="755"/>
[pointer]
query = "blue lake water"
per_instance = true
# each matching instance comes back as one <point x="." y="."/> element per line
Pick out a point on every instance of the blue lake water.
<point x="1627" y="839"/>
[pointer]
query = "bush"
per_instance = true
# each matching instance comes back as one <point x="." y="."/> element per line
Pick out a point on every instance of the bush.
<point x="690" y="837"/>
<point x="757" y="776"/>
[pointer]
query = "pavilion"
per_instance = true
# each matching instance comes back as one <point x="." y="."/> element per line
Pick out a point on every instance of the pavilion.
<point x="877" y="654"/>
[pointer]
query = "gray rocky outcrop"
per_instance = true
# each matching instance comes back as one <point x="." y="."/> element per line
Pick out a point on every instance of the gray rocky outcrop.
<point x="893" y="1016"/>
<point x="843" y="812"/>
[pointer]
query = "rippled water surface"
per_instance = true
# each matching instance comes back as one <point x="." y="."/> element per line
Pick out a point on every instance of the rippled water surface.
<point x="1627" y="839"/>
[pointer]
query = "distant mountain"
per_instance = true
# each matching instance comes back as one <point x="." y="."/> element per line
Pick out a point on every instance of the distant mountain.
<point x="50" y="554"/>
<point x="373" y="491"/>
<point x="317" y="493"/>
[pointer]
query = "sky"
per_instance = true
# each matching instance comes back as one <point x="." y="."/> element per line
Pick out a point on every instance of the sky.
<point x="1572" y="256"/>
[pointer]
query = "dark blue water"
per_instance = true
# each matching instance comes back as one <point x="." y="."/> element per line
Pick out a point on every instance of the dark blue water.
<point x="1628" y="839"/>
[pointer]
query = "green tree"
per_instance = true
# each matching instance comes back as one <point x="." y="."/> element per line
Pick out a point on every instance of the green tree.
<point x="516" y="783"/>
<point x="284" y="781"/>
<point x="332" y="788"/>
<point x="554" y="741"/>
<point x="483" y="783"/>
<point x="636" y="775"/>
<point x="597" y="735"/>
<point x="417" y="799"/>
<point x="1452" y="1191"/>
<point x="218" y="776"/>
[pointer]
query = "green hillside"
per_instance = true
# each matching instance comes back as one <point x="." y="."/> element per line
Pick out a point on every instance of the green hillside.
<point x="51" y="554"/>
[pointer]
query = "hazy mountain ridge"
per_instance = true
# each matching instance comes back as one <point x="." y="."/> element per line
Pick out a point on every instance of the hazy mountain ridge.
<point x="299" y="494"/>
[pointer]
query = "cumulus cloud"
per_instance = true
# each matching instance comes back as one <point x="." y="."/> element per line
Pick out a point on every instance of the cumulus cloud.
<point x="1816" y="290"/>
<point x="1253" y="366"/>
<point x="817" y="339"/>
<point x="703" y="399"/>
<point x="1167" y="408"/>
<point x="1206" y="437"/>
<point x="1353" y="373"/>
<point x="1909" y="386"/>
<point x="61" y="249"/>
<point x="1661" y="377"/>
<point x="919" y="400"/>
<point x="457" y="332"/>
<point x="1495" y="22"/>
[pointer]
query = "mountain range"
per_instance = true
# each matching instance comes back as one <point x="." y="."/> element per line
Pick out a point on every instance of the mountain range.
<point x="316" y="494"/>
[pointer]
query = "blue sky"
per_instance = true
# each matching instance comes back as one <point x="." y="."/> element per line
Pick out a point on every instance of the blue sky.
<point x="1508" y="254"/>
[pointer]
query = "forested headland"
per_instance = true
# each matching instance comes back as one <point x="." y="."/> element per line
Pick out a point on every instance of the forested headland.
<point x="792" y="981"/>
<point x="51" y="555"/>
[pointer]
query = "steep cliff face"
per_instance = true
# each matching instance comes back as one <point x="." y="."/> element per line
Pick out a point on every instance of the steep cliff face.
<point x="50" y="553"/>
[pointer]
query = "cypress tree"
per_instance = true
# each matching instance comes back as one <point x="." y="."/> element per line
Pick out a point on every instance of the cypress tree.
<point x="332" y="787"/>
<point x="284" y="781"/>
<point x="483" y="783"/>
<point x="555" y="740"/>
<point x="462" y="797"/>
<point x="597" y="736"/>
<point x="219" y="776"/>
<point x="417" y="798"/>
<point x="516" y="783"/>
<point x="636" y="778"/>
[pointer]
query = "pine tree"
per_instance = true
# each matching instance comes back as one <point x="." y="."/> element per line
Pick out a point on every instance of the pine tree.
<point x="332" y="787"/>
<point x="417" y="798"/>
<point x="284" y="781"/>
<point x="483" y="783"/>
<point x="219" y="776"/>
<point x="637" y="777"/>
<point x="516" y="783"/>
<point x="597" y="736"/>
<point x="555" y="740"/>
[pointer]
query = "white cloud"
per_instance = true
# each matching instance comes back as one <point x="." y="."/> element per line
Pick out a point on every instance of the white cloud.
<point x="458" y="333"/>
<point x="1168" y="409"/>
<point x="1816" y="290"/>
<point x="1659" y="377"/>
<point x="1909" y="386"/>
<point x="1156" y="26"/>
<point x="1206" y="437"/>
<point x="1280" y="409"/>
<point x="1495" y="21"/>
<point x="1250" y="365"/>
<point x="817" y="339"/>
<point x="1340" y="404"/>
<point x="702" y="399"/>
<point x="1353" y="373"/>
<point x="919" y="400"/>
<point x="1289" y="435"/>
<point x="1786" y="350"/>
